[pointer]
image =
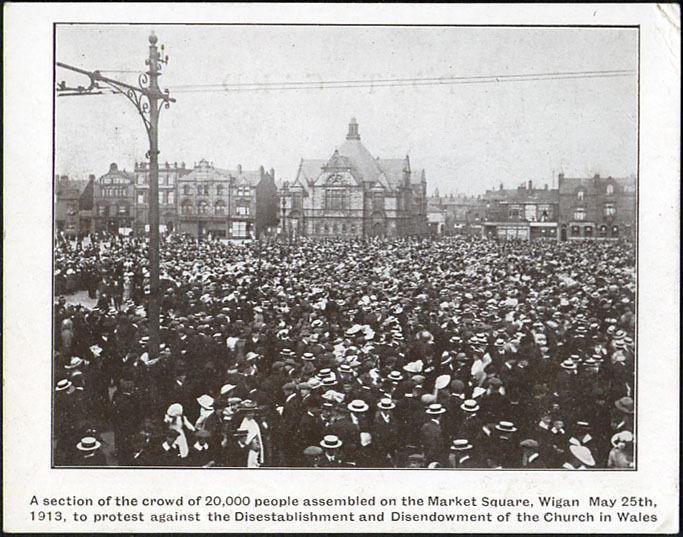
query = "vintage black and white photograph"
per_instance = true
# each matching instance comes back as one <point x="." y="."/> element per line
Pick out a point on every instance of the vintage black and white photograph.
<point x="345" y="246"/>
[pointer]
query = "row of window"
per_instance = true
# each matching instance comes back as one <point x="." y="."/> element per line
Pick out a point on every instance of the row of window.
<point x="609" y="190"/>
<point x="114" y="192"/>
<point x="603" y="231"/>
<point x="166" y="197"/>
<point x="220" y="208"/>
<point x="122" y="209"/>
<point x="336" y="229"/>
<point x="610" y="209"/>
<point x="143" y="179"/>
<point x="205" y="190"/>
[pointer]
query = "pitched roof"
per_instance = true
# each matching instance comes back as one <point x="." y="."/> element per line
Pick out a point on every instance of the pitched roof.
<point x="393" y="170"/>
<point x="360" y="159"/>
<point x="417" y="175"/>
<point x="309" y="170"/>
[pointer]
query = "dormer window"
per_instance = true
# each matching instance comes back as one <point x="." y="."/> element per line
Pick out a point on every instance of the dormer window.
<point x="610" y="189"/>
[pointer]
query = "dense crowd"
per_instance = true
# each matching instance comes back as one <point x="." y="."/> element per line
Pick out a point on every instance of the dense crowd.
<point x="449" y="353"/>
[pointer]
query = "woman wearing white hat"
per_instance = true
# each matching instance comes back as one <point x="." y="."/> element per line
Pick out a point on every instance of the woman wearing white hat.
<point x="176" y="420"/>
<point x="621" y="454"/>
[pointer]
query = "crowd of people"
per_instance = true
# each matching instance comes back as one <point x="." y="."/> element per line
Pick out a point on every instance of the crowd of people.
<point x="387" y="353"/>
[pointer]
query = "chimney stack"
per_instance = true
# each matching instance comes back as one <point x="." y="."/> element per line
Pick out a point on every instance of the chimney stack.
<point x="531" y="185"/>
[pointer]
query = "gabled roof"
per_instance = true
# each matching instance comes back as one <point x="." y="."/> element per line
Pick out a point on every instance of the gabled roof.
<point x="393" y="170"/>
<point x="309" y="170"/>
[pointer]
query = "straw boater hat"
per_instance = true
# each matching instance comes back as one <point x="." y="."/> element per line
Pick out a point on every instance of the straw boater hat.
<point x="469" y="405"/>
<point x="568" y="364"/>
<point x="461" y="444"/>
<point x="435" y="409"/>
<point x="506" y="427"/>
<point x="308" y="357"/>
<point x="358" y="405"/>
<point x="330" y="441"/>
<point x="88" y="443"/>
<point x="395" y="376"/>
<point x="205" y="401"/>
<point x="386" y="404"/>
<point x="63" y="384"/>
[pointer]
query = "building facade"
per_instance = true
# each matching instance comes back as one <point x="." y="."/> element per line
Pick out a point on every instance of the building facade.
<point x="524" y="213"/>
<point x="462" y="214"/>
<point x="598" y="208"/>
<point x="169" y="175"/>
<point x="73" y="206"/>
<point x="353" y="194"/>
<point x="225" y="203"/>
<point x="114" y="201"/>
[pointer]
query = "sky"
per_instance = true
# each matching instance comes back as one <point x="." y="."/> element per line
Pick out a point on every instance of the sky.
<point x="467" y="137"/>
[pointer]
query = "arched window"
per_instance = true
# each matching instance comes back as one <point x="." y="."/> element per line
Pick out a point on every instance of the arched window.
<point x="220" y="208"/>
<point x="610" y="189"/>
<point x="186" y="207"/>
<point x="580" y="195"/>
<point x="202" y="207"/>
<point x="579" y="214"/>
<point x="610" y="209"/>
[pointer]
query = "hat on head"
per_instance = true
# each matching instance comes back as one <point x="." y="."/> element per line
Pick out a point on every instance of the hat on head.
<point x="308" y="357"/>
<point x="330" y="441"/>
<point x="395" y="376"/>
<point x="176" y="409"/>
<point x="568" y="364"/>
<point x="63" y="384"/>
<point x="460" y="444"/>
<point x="205" y="401"/>
<point x="506" y="427"/>
<point x="625" y="405"/>
<point x="469" y="405"/>
<point x="248" y="404"/>
<point x="88" y="443"/>
<point x="74" y="363"/>
<point x="313" y="451"/>
<point x="622" y="436"/>
<point x="583" y="454"/>
<point x="386" y="404"/>
<point x="358" y="405"/>
<point x="314" y="383"/>
<point x="435" y="409"/>
<point x="529" y="443"/>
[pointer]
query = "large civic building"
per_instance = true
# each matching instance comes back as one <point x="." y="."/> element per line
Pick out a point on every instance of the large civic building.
<point x="353" y="194"/>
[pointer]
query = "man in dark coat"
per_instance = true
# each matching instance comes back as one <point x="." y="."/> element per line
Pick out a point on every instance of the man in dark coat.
<point x="432" y="435"/>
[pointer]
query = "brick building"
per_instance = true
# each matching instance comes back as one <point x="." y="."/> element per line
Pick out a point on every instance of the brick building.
<point x="523" y="213"/>
<point x="73" y="205"/>
<point x="597" y="207"/>
<point x="114" y="201"/>
<point x="168" y="196"/>
<point x="462" y="214"/>
<point x="225" y="203"/>
<point x="354" y="194"/>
